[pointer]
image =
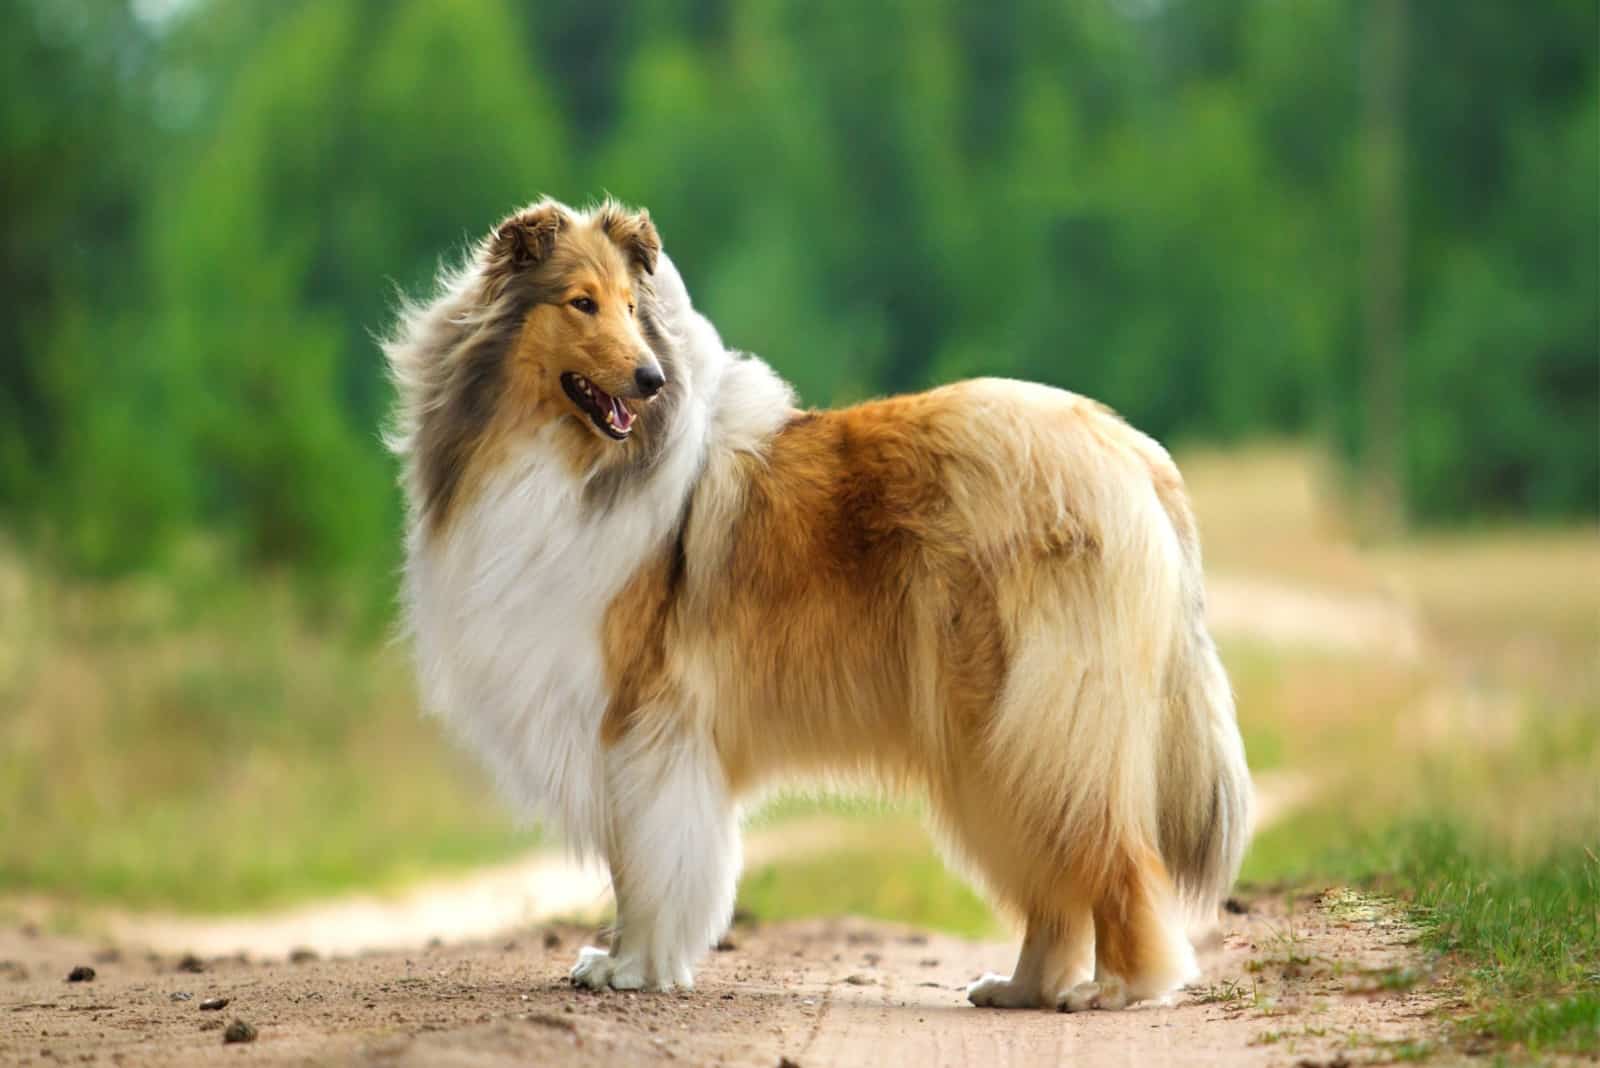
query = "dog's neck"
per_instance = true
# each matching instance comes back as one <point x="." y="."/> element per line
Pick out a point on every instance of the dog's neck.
<point x="728" y="404"/>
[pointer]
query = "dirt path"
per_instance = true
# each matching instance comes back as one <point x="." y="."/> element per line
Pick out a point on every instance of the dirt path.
<point x="1285" y="983"/>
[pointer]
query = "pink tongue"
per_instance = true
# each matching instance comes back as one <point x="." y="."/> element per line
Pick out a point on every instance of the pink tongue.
<point x="621" y="418"/>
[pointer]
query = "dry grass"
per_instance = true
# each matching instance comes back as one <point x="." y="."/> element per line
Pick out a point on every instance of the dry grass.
<point x="1271" y="511"/>
<point x="201" y="742"/>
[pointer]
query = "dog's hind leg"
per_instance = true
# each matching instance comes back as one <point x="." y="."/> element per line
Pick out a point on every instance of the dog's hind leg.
<point x="1054" y="951"/>
<point x="1141" y="950"/>
<point x="674" y="855"/>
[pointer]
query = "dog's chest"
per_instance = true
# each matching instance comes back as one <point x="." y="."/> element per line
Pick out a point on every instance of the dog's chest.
<point x="506" y="610"/>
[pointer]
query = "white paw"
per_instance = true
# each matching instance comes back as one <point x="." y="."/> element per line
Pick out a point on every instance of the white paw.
<point x="1108" y="993"/>
<point x="593" y="969"/>
<point x="629" y="975"/>
<point x="597" y="970"/>
<point x="999" y="992"/>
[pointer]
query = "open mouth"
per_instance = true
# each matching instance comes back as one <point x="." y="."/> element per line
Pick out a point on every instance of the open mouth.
<point x="604" y="411"/>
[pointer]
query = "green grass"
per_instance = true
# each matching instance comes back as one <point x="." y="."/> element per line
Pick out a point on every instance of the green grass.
<point x="1500" y="874"/>
<point x="881" y="863"/>
<point x="1520" y="937"/>
<point x="896" y="877"/>
<point x="1510" y="910"/>
<point x="1527" y="933"/>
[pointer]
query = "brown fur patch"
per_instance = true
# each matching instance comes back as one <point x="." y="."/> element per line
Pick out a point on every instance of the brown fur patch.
<point x="850" y="582"/>
<point x="1130" y="940"/>
<point x="633" y="640"/>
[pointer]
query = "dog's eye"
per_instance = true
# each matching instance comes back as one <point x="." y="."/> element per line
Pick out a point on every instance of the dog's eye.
<point x="584" y="304"/>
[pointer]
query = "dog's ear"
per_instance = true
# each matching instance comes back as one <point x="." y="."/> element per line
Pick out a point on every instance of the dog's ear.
<point x="528" y="237"/>
<point x="634" y="234"/>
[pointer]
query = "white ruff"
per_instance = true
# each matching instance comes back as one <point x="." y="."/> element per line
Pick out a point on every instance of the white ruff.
<point x="506" y="607"/>
<point x="506" y="611"/>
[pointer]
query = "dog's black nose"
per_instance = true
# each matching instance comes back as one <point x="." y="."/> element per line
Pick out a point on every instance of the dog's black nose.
<point x="649" y="379"/>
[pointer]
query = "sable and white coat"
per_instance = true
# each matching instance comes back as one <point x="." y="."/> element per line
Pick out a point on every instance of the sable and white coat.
<point x="989" y="593"/>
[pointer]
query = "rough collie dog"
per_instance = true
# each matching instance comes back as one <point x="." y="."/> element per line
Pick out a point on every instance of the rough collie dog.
<point x="642" y="585"/>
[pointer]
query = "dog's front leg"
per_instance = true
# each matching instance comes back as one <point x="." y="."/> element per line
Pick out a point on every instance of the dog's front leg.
<point x="674" y="854"/>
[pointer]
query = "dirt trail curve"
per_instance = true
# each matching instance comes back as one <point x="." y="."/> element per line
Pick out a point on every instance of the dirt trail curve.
<point x="1288" y="982"/>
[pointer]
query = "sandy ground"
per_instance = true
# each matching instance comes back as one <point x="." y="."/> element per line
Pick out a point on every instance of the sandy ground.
<point x="1317" y="980"/>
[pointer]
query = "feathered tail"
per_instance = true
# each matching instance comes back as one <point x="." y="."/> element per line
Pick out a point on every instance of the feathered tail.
<point x="1203" y="783"/>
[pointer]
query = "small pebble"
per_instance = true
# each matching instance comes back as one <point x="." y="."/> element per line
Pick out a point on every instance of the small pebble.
<point x="81" y="974"/>
<point x="191" y="964"/>
<point x="859" y="980"/>
<point x="239" y="1031"/>
<point x="552" y="940"/>
<point x="301" y="955"/>
<point x="213" y="1004"/>
<point x="180" y="995"/>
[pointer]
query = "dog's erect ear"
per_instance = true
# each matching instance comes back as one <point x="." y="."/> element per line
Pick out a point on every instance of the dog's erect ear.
<point x="529" y="236"/>
<point x="634" y="234"/>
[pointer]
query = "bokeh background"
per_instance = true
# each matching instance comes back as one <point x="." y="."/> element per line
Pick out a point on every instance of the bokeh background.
<point x="1341" y="256"/>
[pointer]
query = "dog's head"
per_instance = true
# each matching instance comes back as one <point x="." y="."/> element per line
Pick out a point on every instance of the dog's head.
<point x="553" y="328"/>
<point x="580" y="278"/>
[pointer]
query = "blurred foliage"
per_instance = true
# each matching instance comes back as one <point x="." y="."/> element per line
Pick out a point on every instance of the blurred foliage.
<point x="208" y="207"/>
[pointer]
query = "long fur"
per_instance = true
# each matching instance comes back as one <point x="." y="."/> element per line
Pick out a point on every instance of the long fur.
<point x="990" y="593"/>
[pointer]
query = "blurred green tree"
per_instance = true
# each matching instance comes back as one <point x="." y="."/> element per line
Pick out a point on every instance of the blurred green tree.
<point x="210" y="208"/>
